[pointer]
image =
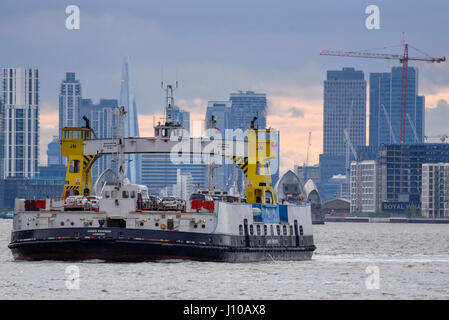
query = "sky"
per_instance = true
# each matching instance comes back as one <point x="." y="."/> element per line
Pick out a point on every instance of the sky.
<point x="215" y="47"/>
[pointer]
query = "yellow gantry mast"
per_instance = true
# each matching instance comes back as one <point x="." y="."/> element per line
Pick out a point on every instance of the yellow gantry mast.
<point x="78" y="174"/>
<point x="262" y="146"/>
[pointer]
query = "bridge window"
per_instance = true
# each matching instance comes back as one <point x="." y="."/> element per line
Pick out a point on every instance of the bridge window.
<point x="268" y="198"/>
<point x="106" y="194"/>
<point x="284" y="230"/>
<point x="258" y="230"/>
<point x="278" y="229"/>
<point x="77" y="134"/>
<point x="301" y="232"/>
<point x="75" y="166"/>
<point x="240" y="230"/>
<point x="125" y="194"/>
<point x="67" y="134"/>
<point x="251" y="230"/>
<point x="133" y="194"/>
<point x="271" y="230"/>
<point x="291" y="230"/>
<point x="113" y="194"/>
<point x="265" y="229"/>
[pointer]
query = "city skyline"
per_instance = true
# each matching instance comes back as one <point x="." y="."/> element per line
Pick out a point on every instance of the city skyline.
<point x="280" y="57"/>
<point x="224" y="151"/>
<point x="197" y="117"/>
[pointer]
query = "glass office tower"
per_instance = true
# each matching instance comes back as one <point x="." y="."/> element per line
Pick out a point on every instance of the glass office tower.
<point x="385" y="106"/>
<point x="20" y="93"/>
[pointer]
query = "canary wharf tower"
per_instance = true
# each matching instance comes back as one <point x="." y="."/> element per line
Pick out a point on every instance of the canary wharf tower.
<point x="128" y="100"/>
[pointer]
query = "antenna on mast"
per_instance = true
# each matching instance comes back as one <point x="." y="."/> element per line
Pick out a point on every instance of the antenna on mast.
<point x="162" y="77"/>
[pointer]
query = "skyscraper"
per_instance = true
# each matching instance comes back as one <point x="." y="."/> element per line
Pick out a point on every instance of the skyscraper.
<point x="69" y="102"/>
<point x="2" y="138"/>
<point x="54" y="152"/>
<point x="385" y="106"/>
<point x="344" y="108"/>
<point x="2" y="151"/>
<point x="180" y="117"/>
<point x="20" y="92"/>
<point x="221" y="111"/>
<point x="159" y="172"/>
<point x="245" y="106"/>
<point x="128" y="100"/>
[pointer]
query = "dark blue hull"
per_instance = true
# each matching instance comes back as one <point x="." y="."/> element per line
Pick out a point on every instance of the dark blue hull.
<point x="133" y="245"/>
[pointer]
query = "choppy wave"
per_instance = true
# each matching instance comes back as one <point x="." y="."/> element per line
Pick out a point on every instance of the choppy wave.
<point x="412" y="260"/>
<point x="382" y="258"/>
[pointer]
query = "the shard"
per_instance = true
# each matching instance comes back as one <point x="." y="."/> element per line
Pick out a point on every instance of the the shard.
<point x="128" y="100"/>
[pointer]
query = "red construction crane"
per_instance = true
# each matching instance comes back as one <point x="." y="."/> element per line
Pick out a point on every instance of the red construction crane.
<point x="404" y="58"/>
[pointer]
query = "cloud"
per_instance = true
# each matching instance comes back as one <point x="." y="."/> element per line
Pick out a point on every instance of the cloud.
<point x="49" y="124"/>
<point x="296" y="113"/>
<point x="217" y="50"/>
<point x="437" y="119"/>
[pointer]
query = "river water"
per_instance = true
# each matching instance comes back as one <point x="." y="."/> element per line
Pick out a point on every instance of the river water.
<point x="352" y="261"/>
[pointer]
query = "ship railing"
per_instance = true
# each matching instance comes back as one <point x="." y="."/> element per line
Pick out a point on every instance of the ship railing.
<point x="49" y="204"/>
<point x="199" y="205"/>
<point x="81" y="203"/>
<point x="154" y="205"/>
<point x="145" y="204"/>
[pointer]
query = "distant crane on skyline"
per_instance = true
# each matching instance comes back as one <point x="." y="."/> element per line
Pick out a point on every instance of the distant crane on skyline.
<point x="403" y="59"/>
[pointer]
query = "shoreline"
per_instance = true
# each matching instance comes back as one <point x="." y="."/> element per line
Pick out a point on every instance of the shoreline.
<point x="386" y="220"/>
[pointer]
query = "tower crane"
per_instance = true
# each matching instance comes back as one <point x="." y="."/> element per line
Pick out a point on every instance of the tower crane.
<point x="442" y="138"/>
<point x="413" y="128"/>
<point x="403" y="59"/>
<point x="389" y="124"/>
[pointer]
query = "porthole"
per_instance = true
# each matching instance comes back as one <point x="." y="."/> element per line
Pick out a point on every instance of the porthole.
<point x="157" y="224"/>
<point x="62" y="223"/>
<point x="203" y="226"/>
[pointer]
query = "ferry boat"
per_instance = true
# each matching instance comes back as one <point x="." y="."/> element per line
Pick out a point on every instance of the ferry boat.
<point x="120" y="224"/>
